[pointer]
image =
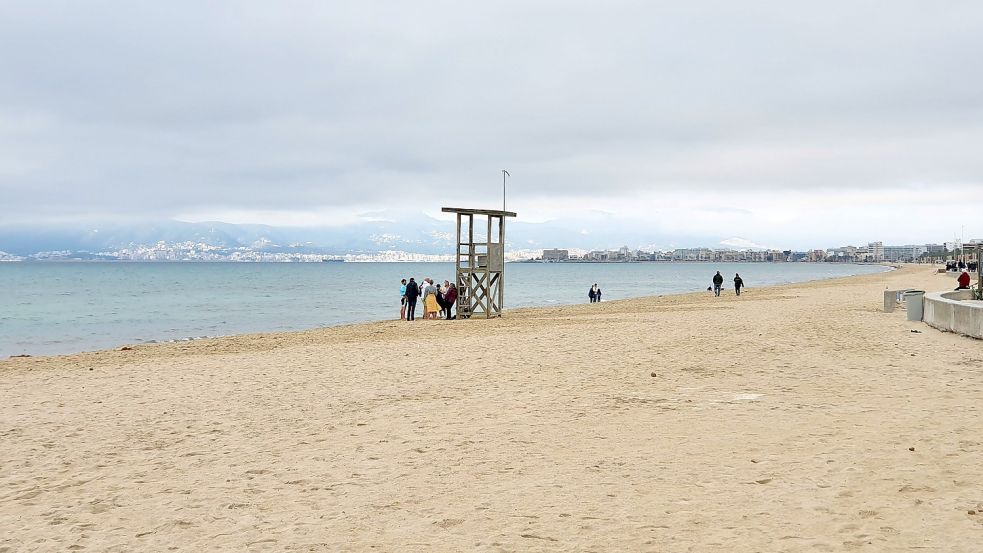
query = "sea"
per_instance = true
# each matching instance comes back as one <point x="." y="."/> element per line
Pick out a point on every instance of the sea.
<point x="51" y="308"/>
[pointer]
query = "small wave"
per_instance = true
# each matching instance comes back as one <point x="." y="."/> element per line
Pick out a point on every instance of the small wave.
<point x="177" y="340"/>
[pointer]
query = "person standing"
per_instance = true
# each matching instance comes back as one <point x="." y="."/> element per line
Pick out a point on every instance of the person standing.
<point x="450" y="298"/>
<point x="592" y="293"/>
<point x="597" y="292"/>
<point x="718" y="281"/>
<point x="423" y="295"/>
<point x="424" y="285"/>
<point x="430" y="307"/>
<point x="442" y="300"/>
<point x="402" y="300"/>
<point x="412" y="292"/>
<point x="738" y="283"/>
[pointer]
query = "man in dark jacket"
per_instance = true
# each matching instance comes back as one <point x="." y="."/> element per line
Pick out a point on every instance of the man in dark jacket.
<point x="738" y="283"/>
<point x="718" y="281"/>
<point x="412" y="292"/>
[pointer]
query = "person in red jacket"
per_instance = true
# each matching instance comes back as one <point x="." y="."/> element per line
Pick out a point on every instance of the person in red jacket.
<point x="963" y="281"/>
<point x="450" y="299"/>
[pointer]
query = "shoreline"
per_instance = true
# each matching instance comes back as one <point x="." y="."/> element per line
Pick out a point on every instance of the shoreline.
<point x="178" y="341"/>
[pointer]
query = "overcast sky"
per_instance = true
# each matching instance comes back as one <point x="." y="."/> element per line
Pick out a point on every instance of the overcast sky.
<point x="781" y="123"/>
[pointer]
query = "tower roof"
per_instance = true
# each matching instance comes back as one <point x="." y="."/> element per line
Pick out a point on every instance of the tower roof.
<point x="491" y="212"/>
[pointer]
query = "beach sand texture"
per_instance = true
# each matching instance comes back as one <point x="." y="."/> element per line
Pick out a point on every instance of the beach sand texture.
<point x="783" y="420"/>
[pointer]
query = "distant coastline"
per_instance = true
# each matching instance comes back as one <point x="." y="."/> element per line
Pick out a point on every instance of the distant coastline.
<point x="707" y="261"/>
<point x="265" y="251"/>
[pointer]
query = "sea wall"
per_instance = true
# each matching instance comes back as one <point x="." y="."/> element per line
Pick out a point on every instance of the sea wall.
<point x="951" y="312"/>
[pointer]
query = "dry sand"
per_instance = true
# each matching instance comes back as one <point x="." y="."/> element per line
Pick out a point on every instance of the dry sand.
<point x="782" y="420"/>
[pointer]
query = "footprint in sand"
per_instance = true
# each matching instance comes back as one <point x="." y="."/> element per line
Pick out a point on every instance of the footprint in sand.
<point x="535" y="537"/>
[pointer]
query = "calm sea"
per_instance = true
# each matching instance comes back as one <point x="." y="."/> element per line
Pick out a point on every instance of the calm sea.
<point x="52" y="308"/>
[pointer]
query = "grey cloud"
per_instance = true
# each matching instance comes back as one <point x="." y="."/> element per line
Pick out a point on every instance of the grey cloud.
<point x="126" y="108"/>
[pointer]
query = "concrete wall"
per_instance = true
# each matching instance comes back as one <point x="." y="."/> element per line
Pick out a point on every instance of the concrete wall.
<point x="950" y="312"/>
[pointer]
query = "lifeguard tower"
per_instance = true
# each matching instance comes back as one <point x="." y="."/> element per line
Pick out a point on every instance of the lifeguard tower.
<point x="480" y="261"/>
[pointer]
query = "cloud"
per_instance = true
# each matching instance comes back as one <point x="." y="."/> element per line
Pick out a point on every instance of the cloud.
<point x="743" y="244"/>
<point x="310" y="113"/>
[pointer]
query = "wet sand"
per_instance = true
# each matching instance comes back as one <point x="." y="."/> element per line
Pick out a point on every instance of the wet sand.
<point x="794" y="418"/>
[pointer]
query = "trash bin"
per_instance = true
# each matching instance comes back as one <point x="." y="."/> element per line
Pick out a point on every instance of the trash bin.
<point x="913" y="303"/>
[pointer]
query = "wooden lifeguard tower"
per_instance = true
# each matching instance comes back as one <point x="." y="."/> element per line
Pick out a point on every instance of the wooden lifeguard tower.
<point x="481" y="263"/>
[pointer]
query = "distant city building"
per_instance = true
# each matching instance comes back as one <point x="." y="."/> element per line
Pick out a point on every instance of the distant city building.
<point x="876" y="251"/>
<point x="692" y="254"/>
<point x="907" y="253"/>
<point x="556" y="255"/>
<point x="873" y="252"/>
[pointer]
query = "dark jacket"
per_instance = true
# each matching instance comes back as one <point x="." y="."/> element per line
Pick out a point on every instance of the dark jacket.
<point x="412" y="290"/>
<point x="738" y="282"/>
<point x="717" y="279"/>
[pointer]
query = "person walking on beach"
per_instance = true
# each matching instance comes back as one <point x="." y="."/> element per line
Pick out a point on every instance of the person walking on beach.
<point x="412" y="292"/>
<point x="592" y="293"/>
<point x="402" y="300"/>
<point x="718" y="281"/>
<point x="738" y="283"/>
<point x="597" y="292"/>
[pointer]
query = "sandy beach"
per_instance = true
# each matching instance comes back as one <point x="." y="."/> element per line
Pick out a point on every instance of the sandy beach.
<point x="793" y="418"/>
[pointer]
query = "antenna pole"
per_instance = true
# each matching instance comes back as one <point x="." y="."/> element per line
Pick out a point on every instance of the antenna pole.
<point x="504" y="172"/>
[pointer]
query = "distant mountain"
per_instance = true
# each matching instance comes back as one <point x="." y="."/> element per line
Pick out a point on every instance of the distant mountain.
<point x="415" y="234"/>
<point x="426" y="237"/>
<point x="24" y="240"/>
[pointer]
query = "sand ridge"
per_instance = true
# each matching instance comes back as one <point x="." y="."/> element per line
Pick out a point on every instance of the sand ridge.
<point x="783" y="420"/>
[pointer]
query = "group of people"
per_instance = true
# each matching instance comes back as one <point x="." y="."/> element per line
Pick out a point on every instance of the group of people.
<point x="437" y="300"/>
<point x="594" y="293"/>
<point x="960" y="265"/>
<point x="718" y="282"/>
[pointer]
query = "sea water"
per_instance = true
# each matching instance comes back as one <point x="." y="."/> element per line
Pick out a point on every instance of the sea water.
<point x="52" y="308"/>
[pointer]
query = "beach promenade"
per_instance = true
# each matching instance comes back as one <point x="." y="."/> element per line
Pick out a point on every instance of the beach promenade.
<point x="794" y="418"/>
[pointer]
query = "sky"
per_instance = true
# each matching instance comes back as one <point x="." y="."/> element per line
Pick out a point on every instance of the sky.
<point x="786" y="124"/>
